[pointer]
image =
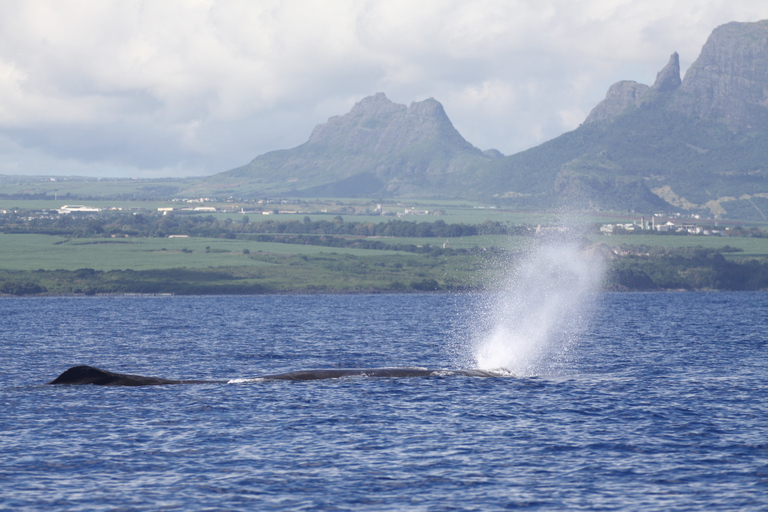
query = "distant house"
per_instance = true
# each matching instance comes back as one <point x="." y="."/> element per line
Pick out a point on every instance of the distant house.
<point x="607" y="229"/>
<point x="77" y="208"/>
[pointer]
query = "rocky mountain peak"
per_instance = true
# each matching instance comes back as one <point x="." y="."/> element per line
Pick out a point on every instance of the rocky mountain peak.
<point x="627" y="93"/>
<point x="668" y="79"/>
<point x="377" y="104"/>
<point x="361" y="125"/>
<point x="378" y="147"/>
<point x="729" y="80"/>
<point x="668" y="146"/>
<point x="377" y="124"/>
<point x="425" y="120"/>
<point x="428" y="106"/>
<point x="620" y="96"/>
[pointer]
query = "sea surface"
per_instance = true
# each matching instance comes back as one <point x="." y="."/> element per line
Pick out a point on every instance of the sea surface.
<point x="657" y="402"/>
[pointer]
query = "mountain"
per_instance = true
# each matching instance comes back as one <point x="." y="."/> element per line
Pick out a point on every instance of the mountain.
<point x="379" y="148"/>
<point x="699" y="144"/>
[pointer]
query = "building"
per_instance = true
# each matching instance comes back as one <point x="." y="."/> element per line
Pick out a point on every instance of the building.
<point x="78" y="208"/>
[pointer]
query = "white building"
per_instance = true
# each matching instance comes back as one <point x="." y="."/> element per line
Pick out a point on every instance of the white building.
<point x="79" y="208"/>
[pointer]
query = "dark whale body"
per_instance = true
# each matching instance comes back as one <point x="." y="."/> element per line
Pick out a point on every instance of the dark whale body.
<point x="90" y="375"/>
<point x="373" y="372"/>
<point x="79" y="375"/>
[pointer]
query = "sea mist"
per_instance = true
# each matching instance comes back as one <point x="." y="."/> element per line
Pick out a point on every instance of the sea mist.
<point x="546" y="299"/>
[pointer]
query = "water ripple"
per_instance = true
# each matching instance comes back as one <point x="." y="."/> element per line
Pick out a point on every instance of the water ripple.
<point x="653" y="416"/>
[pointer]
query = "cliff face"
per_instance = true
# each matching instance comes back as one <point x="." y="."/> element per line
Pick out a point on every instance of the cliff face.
<point x="729" y="81"/>
<point x="620" y="96"/>
<point x="625" y="94"/>
<point x="361" y="127"/>
<point x="376" y="124"/>
<point x="668" y="79"/>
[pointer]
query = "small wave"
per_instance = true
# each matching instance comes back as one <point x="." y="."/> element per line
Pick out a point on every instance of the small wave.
<point x="246" y="381"/>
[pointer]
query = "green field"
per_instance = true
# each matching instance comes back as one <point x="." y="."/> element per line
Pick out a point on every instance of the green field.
<point x="129" y="251"/>
<point x="33" y="252"/>
<point x="34" y="264"/>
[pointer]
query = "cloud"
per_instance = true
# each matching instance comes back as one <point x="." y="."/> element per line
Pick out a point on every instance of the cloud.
<point x="190" y="87"/>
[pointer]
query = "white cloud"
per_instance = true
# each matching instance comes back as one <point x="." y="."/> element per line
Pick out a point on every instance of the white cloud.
<point x="191" y="87"/>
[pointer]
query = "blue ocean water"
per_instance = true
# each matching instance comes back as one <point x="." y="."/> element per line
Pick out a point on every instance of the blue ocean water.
<point x="659" y="403"/>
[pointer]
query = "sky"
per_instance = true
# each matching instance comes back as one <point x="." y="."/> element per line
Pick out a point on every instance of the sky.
<point x="177" y="88"/>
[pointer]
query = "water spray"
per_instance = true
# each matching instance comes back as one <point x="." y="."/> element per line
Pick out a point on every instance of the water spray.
<point x="546" y="299"/>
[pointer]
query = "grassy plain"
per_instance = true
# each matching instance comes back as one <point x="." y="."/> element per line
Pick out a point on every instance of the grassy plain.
<point x="34" y="252"/>
<point x="62" y="264"/>
<point x="55" y="265"/>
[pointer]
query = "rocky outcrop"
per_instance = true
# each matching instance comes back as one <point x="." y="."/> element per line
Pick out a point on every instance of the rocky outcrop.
<point x="668" y="79"/>
<point x="729" y="81"/>
<point x="376" y="124"/>
<point x="620" y="96"/>
<point x="624" y="94"/>
<point x="424" y="121"/>
<point x="361" y="127"/>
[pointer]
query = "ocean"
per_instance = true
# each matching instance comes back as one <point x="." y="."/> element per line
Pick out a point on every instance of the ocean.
<point x="643" y="402"/>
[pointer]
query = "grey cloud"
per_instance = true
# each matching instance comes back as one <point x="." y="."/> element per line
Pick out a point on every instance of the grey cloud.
<point x="172" y="87"/>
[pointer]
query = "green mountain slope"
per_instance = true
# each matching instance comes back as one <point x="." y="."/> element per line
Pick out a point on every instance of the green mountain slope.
<point x="378" y="148"/>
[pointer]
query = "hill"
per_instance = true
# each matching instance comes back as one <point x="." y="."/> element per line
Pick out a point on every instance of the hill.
<point x="379" y="148"/>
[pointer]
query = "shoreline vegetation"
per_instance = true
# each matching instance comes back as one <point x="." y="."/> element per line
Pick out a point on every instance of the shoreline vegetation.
<point x="334" y="273"/>
<point x="151" y="252"/>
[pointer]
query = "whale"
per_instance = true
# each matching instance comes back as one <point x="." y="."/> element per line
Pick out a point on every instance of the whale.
<point x="83" y="374"/>
<point x="80" y="375"/>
